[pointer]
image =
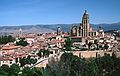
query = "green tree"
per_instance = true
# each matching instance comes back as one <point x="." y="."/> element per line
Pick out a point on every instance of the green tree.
<point x="27" y="72"/>
<point x="106" y="46"/>
<point x="6" y="39"/>
<point x="96" y="43"/>
<point x="89" y="45"/>
<point x="14" y="70"/>
<point x="37" y="71"/>
<point x="22" y="42"/>
<point x="33" y="61"/>
<point x="22" y="61"/>
<point x="93" y="69"/>
<point x="4" y="67"/>
<point x="4" y="70"/>
<point x="68" y="44"/>
<point x="27" y="60"/>
<point x="39" y="53"/>
<point x="46" y="53"/>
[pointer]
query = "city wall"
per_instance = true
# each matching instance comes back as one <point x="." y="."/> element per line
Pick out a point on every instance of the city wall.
<point x="89" y="54"/>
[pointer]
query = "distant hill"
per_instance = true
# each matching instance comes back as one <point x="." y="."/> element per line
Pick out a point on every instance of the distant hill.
<point x="51" y="28"/>
<point x="25" y="29"/>
<point x="67" y="27"/>
<point x="107" y="27"/>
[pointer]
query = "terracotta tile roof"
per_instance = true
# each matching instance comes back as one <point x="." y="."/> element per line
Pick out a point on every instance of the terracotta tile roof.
<point x="10" y="47"/>
<point x="7" y="58"/>
<point x="19" y="55"/>
<point x="60" y="41"/>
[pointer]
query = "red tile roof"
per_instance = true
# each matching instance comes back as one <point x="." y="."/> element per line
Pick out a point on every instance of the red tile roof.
<point x="10" y="47"/>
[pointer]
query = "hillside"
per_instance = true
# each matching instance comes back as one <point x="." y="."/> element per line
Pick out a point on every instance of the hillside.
<point x="51" y="28"/>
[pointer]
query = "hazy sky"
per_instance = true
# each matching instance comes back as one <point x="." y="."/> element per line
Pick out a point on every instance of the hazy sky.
<point x="21" y="12"/>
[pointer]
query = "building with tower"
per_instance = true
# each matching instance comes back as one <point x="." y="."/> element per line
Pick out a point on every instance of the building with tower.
<point x="85" y="30"/>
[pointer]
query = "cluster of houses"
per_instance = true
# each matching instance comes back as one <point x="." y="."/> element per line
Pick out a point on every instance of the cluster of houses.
<point x="54" y="42"/>
<point x="10" y="53"/>
<point x="83" y="38"/>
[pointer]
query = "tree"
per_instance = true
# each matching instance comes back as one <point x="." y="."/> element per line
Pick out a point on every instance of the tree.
<point x="22" y="61"/>
<point x="37" y="71"/>
<point x="6" y="39"/>
<point x="27" y="72"/>
<point x="4" y="70"/>
<point x="22" y="42"/>
<point x="92" y="69"/>
<point x="46" y="52"/>
<point x="4" y="67"/>
<point x="33" y="61"/>
<point x="106" y="46"/>
<point x="68" y="44"/>
<point x="89" y="45"/>
<point x="39" y="54"/>
<point x="11" y="39"/>
<point x="96" y="43"/>
<point x="27" y="60"/>
<point x="107" y="63"/>
<point x="101" y="47"/>
<point x="14" y="70"/>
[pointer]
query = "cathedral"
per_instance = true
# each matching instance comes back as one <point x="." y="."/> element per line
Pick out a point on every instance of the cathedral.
<point x="85" y="30"/>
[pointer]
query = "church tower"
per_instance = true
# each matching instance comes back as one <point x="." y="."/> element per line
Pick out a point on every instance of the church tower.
<point x="84" y="30"/>
<point x="58" y="30"/>
<point x="74" y="30"/>
<point x="85" y="24"/>
<point x="20" y="32"/>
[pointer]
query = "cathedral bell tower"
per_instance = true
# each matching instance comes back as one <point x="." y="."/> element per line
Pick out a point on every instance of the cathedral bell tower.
<point x="85" y="24"/>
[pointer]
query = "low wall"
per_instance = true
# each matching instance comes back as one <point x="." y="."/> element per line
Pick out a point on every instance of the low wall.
<point x="88" y="54"/>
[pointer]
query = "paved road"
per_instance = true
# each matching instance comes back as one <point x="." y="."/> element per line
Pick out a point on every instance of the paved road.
<point x="43" y="59"/>
<point x="39" y="61"/>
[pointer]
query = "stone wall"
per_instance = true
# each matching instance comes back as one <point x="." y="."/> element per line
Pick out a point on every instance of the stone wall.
<point x="88" y="54"/>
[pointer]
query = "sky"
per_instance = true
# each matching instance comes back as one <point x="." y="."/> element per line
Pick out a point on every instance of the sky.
<point x="31" y="12"/>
